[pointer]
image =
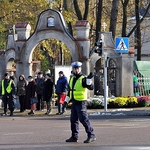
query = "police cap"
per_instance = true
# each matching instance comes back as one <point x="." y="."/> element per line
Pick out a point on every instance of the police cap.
<point x="76" y="64"/>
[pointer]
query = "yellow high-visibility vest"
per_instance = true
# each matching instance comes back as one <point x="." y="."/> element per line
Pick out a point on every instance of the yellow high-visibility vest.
<point x="8" y="89"/>
<point x="79" y="92"/>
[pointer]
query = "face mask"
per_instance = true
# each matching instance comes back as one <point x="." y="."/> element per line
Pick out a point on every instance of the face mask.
<point x="30" y="80"/>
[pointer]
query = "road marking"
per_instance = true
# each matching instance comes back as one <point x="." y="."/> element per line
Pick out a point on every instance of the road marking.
<point x="18" y="133"/>
<point x="136" y="127"/>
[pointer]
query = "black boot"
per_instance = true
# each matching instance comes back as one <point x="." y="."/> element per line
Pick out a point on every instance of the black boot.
<point x="11" y="113"/>
<point x="90" y="139"/>
<point x="72" y="139"/>
<point x="31" y="112"/>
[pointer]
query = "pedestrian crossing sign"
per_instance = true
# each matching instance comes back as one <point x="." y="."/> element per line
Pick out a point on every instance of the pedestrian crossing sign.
<point x="122" y="45"/>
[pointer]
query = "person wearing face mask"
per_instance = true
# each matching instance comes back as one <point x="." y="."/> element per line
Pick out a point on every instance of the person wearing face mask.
<point x="21" y="91"/>
<point x="77" y="93"/>
<point x="30" y="93"/>
<point x="8" y="94"/>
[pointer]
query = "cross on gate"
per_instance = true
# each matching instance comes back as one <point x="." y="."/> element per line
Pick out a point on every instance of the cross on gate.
<point x="104" y="26"/>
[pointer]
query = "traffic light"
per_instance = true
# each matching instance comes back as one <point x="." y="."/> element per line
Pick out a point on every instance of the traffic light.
<point x="99" y="47"/>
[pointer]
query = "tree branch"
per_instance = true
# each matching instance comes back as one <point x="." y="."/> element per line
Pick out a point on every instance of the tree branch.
<point x="141" y="20"/>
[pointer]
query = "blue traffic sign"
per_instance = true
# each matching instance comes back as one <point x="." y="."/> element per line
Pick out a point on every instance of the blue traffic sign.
<point x="122" y="45"/>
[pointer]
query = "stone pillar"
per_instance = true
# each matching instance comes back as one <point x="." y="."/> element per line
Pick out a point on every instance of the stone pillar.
<point x="82" y="30"/>
<point x="124" y="83"/>
<point x="23" y="30"/>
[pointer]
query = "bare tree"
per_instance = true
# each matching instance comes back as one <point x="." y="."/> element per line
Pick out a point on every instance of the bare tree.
<point x="98" y="17"/>
<point x="77" y="10"/>
<point x="86" y="10"/>
<point x="138" y="31"/>
<point x="65" y="6"/>
<point x="113" y="17"/>
<point x="124" y="23"/>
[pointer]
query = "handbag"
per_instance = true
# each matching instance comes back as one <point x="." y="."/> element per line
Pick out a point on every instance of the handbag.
<point x="33" y="100"/>
<point x="62" y="98"/>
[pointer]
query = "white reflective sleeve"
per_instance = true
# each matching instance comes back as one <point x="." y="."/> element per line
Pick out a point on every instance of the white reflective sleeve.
<point x="88" y="81"/>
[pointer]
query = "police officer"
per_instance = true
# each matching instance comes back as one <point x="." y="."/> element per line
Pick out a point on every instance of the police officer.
<point x="79" y="84"/>
<point x="8" y="93"/>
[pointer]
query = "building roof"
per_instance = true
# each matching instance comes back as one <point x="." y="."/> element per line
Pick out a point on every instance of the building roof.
<point x="81" y="23"/>
<point x="21" y="24"/>
<point x="143" y="11"/>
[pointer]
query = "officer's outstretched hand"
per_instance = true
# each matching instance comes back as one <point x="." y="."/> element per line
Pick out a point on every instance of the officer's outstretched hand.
<point x="89" y="79"/>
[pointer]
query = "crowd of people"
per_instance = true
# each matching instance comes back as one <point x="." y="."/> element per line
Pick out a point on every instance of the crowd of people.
<point x="24" y="90"/>
<point x="40" y="88"/>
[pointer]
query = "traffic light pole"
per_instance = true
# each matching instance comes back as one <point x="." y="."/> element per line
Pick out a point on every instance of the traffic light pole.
<point x="105" y="83"/>
<point x="105" y="79"/>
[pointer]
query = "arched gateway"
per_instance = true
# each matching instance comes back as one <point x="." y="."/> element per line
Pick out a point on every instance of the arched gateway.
<point x="50" y="25"/>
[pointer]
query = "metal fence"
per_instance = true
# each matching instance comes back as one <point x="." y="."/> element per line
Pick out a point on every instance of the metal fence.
<point x="143" y="88"/>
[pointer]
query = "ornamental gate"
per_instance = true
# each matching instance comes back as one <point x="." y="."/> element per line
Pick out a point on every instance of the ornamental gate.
<point x="99" y="78"/>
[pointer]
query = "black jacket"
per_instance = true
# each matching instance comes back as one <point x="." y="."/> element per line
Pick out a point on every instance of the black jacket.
<point x="48" y="90"/>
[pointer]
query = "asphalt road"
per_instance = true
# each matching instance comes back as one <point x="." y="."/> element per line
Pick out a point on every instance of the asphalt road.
<point x="50" y="133"/>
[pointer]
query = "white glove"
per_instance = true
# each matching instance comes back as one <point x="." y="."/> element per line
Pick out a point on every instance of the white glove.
<point x="67" y="99"/>
<point x="88" y="81"/>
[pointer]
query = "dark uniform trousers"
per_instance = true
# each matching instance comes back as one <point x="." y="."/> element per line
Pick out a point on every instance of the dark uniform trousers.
<point x="79" y="112"/>
<point x="8" y="100"/>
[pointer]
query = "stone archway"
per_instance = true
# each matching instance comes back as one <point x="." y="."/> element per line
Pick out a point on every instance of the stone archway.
<point x="51" y="25"/>
<point x="26" y="53"/>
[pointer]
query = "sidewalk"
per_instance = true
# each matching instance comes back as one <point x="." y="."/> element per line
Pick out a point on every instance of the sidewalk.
<point x="138" y="111"/>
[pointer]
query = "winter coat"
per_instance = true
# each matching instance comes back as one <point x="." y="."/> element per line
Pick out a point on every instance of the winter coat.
<point x="62" y="85"/>
<point x="40" y="86"/>
<point x="21" y="86"/>
<point x="48" y="90"/>
<point x="30" y="92"/>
